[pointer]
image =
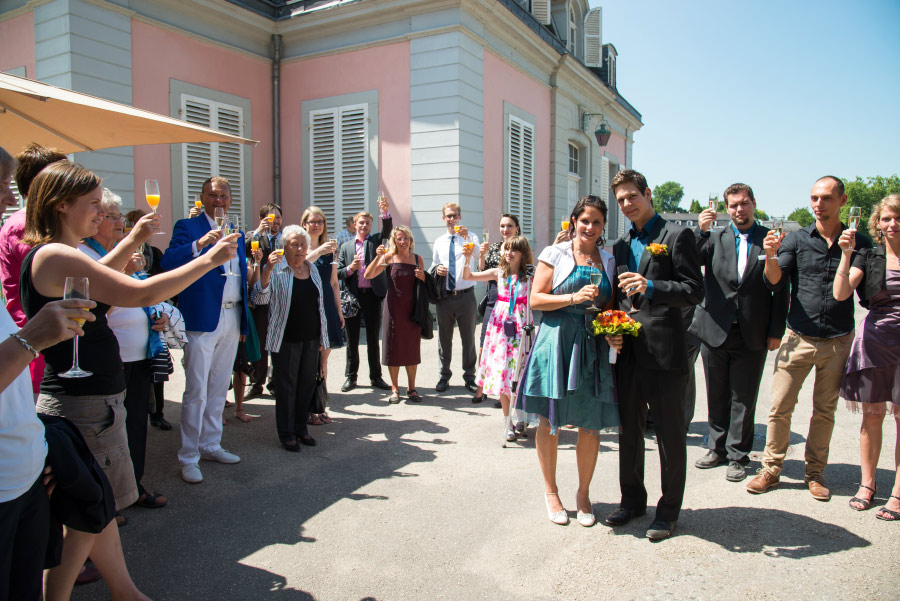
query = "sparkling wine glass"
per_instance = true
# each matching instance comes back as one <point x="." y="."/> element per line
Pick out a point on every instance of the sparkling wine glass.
<point x="76" y="288"/>
<point x="596" y="280"/>
<point x="632" y="300"/>
<point x="855" y="216"/>
<point x="151" y="191"/>
<point x="334" y="255"/>
<point x="254" y="246"/>
<point x="778" y="226"/>
<point x="231" y="226"/>
<point x="714" y="201"/>
<point x="142" y="263"/>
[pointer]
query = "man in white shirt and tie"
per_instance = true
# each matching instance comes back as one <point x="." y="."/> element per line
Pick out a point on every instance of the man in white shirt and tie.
<point x="216" y="317"/>
<point x="457" y="305"/>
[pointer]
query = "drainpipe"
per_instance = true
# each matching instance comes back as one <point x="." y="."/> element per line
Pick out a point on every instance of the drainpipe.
<point x="276" y="117"/>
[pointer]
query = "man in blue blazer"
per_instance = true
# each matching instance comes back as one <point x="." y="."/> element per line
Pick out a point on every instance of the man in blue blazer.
<point x="216" y="318"/>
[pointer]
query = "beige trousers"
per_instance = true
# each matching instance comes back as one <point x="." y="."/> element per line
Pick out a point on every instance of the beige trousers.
<point x="797" y="356"/>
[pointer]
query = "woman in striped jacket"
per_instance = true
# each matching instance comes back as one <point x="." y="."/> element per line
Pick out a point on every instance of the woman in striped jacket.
<point x="293" y="290"/>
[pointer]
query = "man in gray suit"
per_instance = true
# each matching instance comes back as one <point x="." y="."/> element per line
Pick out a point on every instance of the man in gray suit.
<point x="739" y="321"/>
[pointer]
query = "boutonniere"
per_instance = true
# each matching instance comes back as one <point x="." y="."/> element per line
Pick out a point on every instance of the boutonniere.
<point x="658" y="250"/>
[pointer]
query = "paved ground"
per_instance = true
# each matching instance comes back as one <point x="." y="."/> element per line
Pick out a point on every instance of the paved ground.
<point x="415" y="502"/>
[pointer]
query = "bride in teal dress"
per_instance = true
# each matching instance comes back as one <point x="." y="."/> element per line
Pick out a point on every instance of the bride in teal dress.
<point x="568" y="379"/>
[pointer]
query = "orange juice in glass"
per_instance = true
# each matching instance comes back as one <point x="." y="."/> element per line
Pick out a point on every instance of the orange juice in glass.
<point x="151" y="191"/>
<point x="254" y="245"/>
<point x="270" y="217"/>
<point x="198" y="203"/>
<point x="565" y="224"/>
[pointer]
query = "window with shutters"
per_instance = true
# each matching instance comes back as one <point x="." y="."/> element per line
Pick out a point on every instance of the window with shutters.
<point x="339" y="161"/>
<point x="19" y="202"/>
<point x="202" y="160"/>
<point x="573" y="159"/>
<point x="520" y="161"/>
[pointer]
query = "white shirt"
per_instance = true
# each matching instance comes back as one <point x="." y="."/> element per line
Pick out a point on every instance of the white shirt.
<point x="441" y="256"/>
<point x="232" y="291"/>
<point x="23" y="449"/>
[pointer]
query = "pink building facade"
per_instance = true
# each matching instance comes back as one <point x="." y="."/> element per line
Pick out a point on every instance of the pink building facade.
<point x="492" y="104"/>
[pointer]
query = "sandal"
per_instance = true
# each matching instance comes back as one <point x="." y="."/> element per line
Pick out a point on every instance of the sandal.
<point x="860" y="504"/>
<point x="313" y="420"/>
<point x="152" y="500"/>
<point x="888" y="515"/>
<point x="394" y="398"/>
<point x="413" y="396"/>
<point x="325" y="419"/>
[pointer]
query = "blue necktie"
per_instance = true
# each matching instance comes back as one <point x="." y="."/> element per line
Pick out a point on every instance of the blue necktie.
<point x="451" y="273"/>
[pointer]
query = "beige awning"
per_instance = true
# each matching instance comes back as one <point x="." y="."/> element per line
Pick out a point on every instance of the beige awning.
<point x="31" y="111"/>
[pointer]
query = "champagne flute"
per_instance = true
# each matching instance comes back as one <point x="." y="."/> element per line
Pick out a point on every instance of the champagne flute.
<point x="596" y="280"/>
<point x="778" y="226"/>
<point x="76" y="288"/>
<point x="714" y="201"/>
<point x="855" y="216"/>
<point x="143" y="262"/>
<point x="334" y="255"/>
<point x="254" y="246"/>
<point x="621" y="270"/>
<point x="231" y="226"/>
<point x="486" y="236"/>
<point x="219" y="217"/>
<point x="151" y="191"/>
<point x="198" y="203"/>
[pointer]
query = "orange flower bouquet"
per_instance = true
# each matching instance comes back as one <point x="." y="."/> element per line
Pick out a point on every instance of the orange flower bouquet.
<point x="658" y="250"/>
<point x="615" y="323"/>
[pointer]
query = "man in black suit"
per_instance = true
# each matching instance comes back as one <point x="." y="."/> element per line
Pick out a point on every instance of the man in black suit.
<point x="739" y="321"/>
<point x="355" y="255"/>
<point x="652" y="368"/>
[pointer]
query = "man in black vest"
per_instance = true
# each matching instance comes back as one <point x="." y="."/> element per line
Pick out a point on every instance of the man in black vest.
<point x="739" y="321"/>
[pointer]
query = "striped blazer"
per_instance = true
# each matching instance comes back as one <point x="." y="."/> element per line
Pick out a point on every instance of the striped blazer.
<point x="278" y="296"/>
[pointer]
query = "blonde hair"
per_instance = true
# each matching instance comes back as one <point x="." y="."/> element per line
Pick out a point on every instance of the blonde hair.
<point x="520" y="244"/>
<point x="892" y="202"/>
<point x="363" y="214"/>
<point x="305" y="218"/>
<point x="393" y="242"/>
<point x="451" y="205"/>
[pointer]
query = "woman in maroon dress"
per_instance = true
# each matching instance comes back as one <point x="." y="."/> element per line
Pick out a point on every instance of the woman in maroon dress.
<point x="401" y="336"/>
<point x="872" y="377"/>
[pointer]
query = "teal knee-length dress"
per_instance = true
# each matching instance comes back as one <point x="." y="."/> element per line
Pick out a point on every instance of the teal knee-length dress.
<point x="569" y="380"/>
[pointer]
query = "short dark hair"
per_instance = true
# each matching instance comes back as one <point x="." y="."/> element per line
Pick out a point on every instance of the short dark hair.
<point x="32" y="161"/>
<point x="513" y="218"/>
<point x="837" y="180"/>
<point x="737" y="189"/>
<point x="268" y="208"/>
<point x="629" y="176"/>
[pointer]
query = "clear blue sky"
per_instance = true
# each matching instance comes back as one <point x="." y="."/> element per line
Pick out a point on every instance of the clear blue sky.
<point x="772" y="94"/>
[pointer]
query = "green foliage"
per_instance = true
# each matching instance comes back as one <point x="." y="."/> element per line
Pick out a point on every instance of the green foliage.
<point x="759" y="214"/>
<point x="866" y="194"/>
<point x="667" y="196"/>
<point x="803" y="216"/>
<point x="695" y="206"/>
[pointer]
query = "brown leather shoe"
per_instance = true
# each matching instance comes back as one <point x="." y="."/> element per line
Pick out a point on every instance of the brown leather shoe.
<point x="817" y="489"/>
<point x="763" y="482"/>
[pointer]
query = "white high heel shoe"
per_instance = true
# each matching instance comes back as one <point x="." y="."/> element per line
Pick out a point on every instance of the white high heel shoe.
<point x="587" y="519"/>
<point x="557" y="517"/>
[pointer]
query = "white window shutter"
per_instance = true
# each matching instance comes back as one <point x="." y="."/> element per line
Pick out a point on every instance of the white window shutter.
<point x="520" y="174"/>
<point x="541" y="11"/>
<point x="604" y="180"/>
<point x="339" y="162"/>
<point x="202" y="160"/>
<point x="593" y="48"/>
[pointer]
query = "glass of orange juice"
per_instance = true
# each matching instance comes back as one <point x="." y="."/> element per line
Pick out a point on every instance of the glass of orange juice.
<point x="151" y="191"/>
<point x="564" y="224"/>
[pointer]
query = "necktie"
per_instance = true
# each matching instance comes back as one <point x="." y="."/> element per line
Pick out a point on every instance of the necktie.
<point x="742" y="256"/>
<point x="451" y="271"/>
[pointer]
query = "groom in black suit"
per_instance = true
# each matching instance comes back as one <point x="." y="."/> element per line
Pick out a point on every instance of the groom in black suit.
<point x="739" y="321"/>
<point x="652" y="369"/>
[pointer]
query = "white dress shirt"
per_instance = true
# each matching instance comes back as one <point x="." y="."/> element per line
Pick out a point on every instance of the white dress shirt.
<point x="441" y="256"/>
<point x="232" y="291"/>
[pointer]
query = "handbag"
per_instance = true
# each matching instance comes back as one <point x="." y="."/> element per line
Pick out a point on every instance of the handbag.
<point x="349" y="304"/>
<point x="320" y="394"/>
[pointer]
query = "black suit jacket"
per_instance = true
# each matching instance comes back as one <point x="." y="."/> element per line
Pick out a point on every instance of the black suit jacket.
<point x="873" y="261"/>
<point x="349" y="281"/>
<point x="677" y="282"/>
<point x="760" y="313"/>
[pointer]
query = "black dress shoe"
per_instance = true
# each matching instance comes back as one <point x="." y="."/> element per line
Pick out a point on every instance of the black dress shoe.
<point x="161" y="423"/>
<point x="471" y="387"/>
<point x="477" y="399"/>
<point x="348" y="385"/>
<point x="711" y="459"/>
<point x="442" y="385"/>
<point x="291" y="446"/>
<point x="380" y="383"/>
<point x="308" y="441"/>
<point x="623" y="515"/>
<point x="660" y="529"/>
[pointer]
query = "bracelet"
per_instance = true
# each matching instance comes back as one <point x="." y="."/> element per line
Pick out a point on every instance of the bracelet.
<point x="572" y="300"/>
<point x="24" y="343"/>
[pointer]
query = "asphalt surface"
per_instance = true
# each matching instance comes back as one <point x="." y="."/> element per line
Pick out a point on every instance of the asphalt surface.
<point x="423" y="502"/>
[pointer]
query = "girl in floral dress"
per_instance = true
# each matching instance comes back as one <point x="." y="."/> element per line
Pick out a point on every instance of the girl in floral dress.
<point x="500" y="356"/>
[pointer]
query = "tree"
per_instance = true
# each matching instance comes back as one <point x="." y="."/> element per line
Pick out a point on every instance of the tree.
<point x="802" y="216"/>
<point x="759" y="214"/>
<point x="667" y="197"/>
<point x="695" y="206"/>
<point x="866" y="194"/>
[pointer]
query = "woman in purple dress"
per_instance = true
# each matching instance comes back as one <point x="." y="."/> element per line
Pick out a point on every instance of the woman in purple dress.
<point x="871" y="382"/>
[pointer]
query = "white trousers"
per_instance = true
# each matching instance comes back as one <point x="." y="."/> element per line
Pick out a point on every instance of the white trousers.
<point x="208" y="363"/>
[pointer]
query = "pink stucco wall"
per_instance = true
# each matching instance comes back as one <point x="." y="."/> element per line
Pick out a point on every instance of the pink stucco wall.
<point x="505" y="83"/>
<point x="17" y="36"/>
<point x="384" y="68"/>
<point x="159" y="55"/>
<point x="616" y="147"/>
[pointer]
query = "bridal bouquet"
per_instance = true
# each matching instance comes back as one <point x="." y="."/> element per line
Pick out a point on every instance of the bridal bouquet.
<point x="615" y="323"/>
